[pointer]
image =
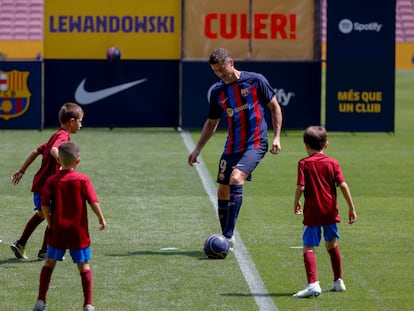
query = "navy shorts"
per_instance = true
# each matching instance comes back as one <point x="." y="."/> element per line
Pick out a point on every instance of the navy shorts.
<point x="244" y="161"/>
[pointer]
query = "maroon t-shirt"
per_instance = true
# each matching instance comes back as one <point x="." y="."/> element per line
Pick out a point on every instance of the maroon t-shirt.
<point x="68" y="192"/>
<point x="49" y="164"/>
<point x="320" y="175"/>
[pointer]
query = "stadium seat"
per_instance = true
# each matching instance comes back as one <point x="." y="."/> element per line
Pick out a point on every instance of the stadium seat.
<point x="404" y="20"/>
<point x="31" y="12"/>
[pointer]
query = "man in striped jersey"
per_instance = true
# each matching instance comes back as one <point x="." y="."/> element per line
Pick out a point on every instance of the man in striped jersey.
<point x="242" y="96"/>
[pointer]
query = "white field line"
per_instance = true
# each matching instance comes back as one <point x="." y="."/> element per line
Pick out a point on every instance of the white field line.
<point x="247" y="266"/>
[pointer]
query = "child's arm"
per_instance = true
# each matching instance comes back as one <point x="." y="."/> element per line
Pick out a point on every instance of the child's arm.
<point x="46" y="213"/>
<point x="296" y="204"/>
<point x="18" y="175"/>
<point x="98" y="212"/>
<point x="54" y="151"/>
<point x="352" y="216"/>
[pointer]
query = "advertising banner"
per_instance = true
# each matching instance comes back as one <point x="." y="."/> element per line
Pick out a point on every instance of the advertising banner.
<point x="360" y="77"/>
<point x="20" y="95"/>
<point x="297" y="86"/>
<point x="86" y="29"/>
<point x="259" y="30"/>
<point x="125" y="93"/>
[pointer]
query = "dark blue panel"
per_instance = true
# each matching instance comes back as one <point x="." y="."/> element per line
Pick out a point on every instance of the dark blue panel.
<point x="18" y="110"/>
<point x="297" y="84"/>
<point x="153" y="101"/>
<point x="360" y="85"/>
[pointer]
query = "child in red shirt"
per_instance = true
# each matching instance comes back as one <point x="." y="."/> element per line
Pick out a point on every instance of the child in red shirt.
<point x="64" y="199"/>
<point x="70" y="118"/>
<point x="318" y="177"/>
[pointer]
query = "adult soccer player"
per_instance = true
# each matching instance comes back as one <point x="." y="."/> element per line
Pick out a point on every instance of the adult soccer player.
<point x="242" y="96"/>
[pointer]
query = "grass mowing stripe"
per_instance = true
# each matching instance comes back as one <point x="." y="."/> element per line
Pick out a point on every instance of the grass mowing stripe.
<point x="247" y="266"/>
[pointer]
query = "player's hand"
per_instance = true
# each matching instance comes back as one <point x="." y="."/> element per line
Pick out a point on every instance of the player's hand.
<point x="298" y="209"/>
<point x="352" y="217"/>
<point x="102" y="224"/>
<point x="16" y="177"/>
<point x="276" y="147"/>
<point x="192" y="158"/>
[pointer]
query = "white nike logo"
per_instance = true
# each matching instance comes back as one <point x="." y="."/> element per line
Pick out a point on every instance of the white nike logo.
<point x="85" y="97"/>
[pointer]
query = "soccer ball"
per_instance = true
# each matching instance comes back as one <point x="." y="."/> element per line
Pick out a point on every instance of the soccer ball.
<point x="216" y="246"/>
<point x="113" y="54"/>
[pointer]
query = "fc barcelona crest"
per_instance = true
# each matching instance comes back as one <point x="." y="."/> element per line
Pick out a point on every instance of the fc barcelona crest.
<point x="244" y="92"/>
<point x="14" y="94"/>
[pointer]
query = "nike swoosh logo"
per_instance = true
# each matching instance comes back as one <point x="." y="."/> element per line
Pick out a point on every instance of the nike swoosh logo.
<point x="85" y="97"/>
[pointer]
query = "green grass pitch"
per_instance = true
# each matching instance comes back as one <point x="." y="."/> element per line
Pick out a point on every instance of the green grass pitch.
<point x="153" y="200"/>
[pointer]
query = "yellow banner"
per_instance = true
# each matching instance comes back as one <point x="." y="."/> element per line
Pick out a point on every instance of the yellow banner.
<point x="404" y="55"/>
<point x="86" y="29"/>
<point x="268" y="30"/>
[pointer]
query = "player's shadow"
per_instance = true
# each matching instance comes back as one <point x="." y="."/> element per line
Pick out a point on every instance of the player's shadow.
<point x="267" y="294"/>
<point x="12" y="260"/>
<point x="194" y="254"/>
<point x="257" y="294"/>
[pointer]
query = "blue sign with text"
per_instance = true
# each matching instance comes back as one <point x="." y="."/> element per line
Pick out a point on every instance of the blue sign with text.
<point x="297" y="86"/>
<point x="360" y="66"/>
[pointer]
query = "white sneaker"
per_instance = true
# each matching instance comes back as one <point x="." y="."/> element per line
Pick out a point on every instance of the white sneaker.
<point x="339" y="286"/>
<point x="88" y="308"/>
<point x="19" y="250"/>
<point x="39" y="306"/>
<point x="311" y="290"/>
<point x="231" y="241"/>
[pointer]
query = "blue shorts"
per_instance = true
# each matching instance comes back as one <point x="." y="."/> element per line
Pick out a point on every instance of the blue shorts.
<point x="244" y="161"/>
<point x="312" y="234"/>
<point x="37" y="200"/>
<point x="78" y="255"/>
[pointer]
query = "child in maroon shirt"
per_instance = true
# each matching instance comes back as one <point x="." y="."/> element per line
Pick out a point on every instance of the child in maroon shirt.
<point x="318" y="177"/>
<point x="70" y="118"/>
<point x="64" y="199"/>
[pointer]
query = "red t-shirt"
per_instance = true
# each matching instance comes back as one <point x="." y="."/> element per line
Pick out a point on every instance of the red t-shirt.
<point x="320" y="175"/>
<point x="67" y="192"/>
<point x="49" y="164"/>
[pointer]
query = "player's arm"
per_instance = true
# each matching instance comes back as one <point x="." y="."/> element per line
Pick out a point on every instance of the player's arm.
<point x="352" y="216"/>
<point x="17" y="176"/>
<point x="46" y="213"/>
<point x="277" y="119"/>
<point x="96" y="208"/>
<point x="210" y="126"/>
<point x="297" y="208"/>
<point x="54" y="151"/>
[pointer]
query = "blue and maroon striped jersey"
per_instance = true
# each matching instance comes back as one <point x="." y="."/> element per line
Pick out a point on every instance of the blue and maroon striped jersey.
<point x="243" y="102"/>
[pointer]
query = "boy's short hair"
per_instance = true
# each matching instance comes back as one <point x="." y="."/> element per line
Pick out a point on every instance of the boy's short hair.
<point x="219" y="55"/>
<point x="69" y="111"/>
<point x="315" y="137"/>
<point x="69" y="152"/>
